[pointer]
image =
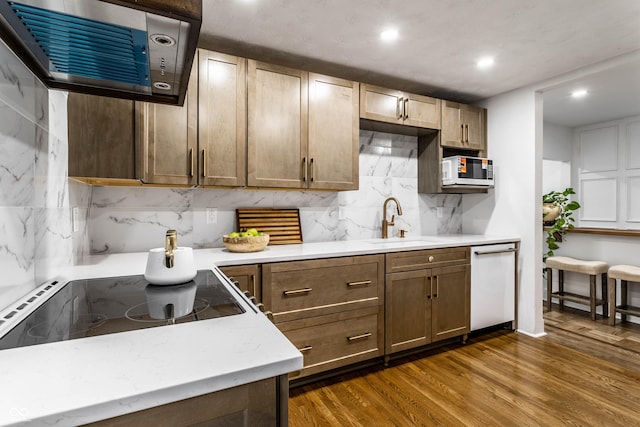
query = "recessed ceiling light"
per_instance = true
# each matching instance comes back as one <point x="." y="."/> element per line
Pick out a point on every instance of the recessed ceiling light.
<point x="580" y="93"/>
<point x="389" y="35"/>
<point x="486" y="62"/>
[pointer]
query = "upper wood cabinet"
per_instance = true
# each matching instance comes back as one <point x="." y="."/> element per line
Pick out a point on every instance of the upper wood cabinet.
<point x="222" y="119"/>
<point x="202" y="142"/>
<point x="168" y="139"/>
<point x="302" y="129"/>
<point x="392" y="106"/>
<point x="463" y="126"/>
<point x="101" y="134"/>
<point x="334" y="133"/>
<point x="277" y="126"/>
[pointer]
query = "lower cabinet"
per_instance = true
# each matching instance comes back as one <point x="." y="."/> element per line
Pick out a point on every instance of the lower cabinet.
<point x="330" y="309"/>
<point x="425" y="305"/>
<point x="344" y="310"/>
<point x="335" y="340"/>
<point x="246" y="278"/>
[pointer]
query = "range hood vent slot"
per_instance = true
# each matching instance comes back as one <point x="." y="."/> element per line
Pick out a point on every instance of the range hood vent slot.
<point x="132" y="49"/>
<point x="88" y="48"/>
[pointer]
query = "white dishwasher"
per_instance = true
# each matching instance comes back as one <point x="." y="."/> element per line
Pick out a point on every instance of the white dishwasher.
<point x="492" y="285"/>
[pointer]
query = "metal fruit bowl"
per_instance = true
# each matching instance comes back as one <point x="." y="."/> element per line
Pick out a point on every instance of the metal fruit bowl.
<point x="245" y="244"/>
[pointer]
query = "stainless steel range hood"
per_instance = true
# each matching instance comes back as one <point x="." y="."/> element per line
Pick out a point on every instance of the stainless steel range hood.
<point x="135" y="49"/>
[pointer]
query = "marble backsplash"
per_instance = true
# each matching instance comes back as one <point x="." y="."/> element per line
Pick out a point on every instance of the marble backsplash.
<point x="36" y="199"/>
<point x="131" y="219"/>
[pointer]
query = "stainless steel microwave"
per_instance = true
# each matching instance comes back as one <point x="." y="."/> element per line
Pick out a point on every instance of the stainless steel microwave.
<point x="465" y="170"/>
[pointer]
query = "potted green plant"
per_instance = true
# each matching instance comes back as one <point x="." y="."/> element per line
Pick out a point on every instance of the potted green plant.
<point x="557" y="213"/>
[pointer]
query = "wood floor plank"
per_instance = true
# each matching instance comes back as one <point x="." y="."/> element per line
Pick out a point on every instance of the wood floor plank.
<point x="582" y="373"/>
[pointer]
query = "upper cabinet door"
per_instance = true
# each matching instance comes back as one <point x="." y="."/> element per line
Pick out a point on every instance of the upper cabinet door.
<point x="101" y="137"/>
<point x="475" y="120"/>
<point x="421" y="111"/>
<point x="381" y="104"/>
<point x="222" y="119"/>
<point x="334" y="132"/>
<point x="277" y="138"/>
<point x="452" y="134"/>
<point x="168" y="137"/>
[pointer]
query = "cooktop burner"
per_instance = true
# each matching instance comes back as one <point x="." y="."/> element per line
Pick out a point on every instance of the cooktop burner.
<point x="91" y="307"/>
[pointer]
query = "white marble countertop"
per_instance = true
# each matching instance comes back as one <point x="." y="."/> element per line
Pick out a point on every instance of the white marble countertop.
<point x="84" y="380"/>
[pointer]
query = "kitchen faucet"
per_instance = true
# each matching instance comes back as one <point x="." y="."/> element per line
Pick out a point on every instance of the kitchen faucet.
<point x="385" y="223"/>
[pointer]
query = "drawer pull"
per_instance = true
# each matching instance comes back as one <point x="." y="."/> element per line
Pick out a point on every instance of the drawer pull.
<point x="361" y="283"/>
<point x="297" y="291"/>
<point x="431" y="258"/>
<point x="359" y="337"/>
<point x="305" y="348"/>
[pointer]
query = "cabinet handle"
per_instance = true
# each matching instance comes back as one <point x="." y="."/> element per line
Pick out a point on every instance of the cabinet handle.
<point x="311" y="169"/>
<point x="430" y="287"/>
<point x="359" y="337"/>
<point x="204" y="164"/>
<point x="399" y="107"/>
<point x="462" y="132"/>
<point x="297" y="291"/>
<point x="467" y="128"/>
<point x="304" y="169"/>
<point x="435" y="294"/>
<point x="191" y="162"/>
<point x="361" y="283"/>
<point x="305" y="348"/>
<point x="406" y="108"/>
<point x="500" y="251"/>
<point x="253" y="284"/>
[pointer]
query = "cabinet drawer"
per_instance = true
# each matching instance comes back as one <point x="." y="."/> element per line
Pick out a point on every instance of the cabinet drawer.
<point x="429" y="258"/>
<point x="297" y="289"/>
<point x="328" y="342"/>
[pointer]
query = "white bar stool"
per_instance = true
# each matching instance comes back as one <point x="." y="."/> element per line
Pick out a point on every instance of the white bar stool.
<point x="590" y="268"/>
<point x="626" y="273"/>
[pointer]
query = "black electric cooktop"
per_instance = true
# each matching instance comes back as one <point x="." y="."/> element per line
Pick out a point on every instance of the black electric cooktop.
<point x="91" y="307"/>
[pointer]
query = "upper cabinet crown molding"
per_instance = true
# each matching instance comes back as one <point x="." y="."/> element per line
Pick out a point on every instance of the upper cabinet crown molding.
<point x="396" y="107"/>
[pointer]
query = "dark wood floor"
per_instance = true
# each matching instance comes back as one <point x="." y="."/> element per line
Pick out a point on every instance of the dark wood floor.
<point x="582" y="373"/>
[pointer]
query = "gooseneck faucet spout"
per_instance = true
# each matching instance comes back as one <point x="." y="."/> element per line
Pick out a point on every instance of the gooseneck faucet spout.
<point x="386" y="224"/>
<point x="170" y="244"/>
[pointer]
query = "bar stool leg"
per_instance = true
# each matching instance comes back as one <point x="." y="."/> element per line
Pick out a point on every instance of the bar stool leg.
<point x="623" y="298"/>
<point x="549" y="287"/>
<point x="605" y="305"/>
<point x="592" y="295"/>
<point x="612" y="301"/>
<point x="561" y="289"/>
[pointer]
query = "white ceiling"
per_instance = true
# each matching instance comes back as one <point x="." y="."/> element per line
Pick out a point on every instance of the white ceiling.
<point x="439" y="41"/>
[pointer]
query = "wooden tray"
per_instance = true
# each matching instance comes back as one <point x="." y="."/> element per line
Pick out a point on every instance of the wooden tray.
<point x="282" y="225"/>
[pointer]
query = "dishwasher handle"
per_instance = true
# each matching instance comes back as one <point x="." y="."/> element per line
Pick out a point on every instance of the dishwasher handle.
<point x="499" y="251"/>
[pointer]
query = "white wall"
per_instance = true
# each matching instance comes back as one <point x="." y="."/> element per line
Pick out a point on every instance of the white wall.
<point x="514" y="126"/>
<point x="557" y="142"/>
<point x="557" y="148"/>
